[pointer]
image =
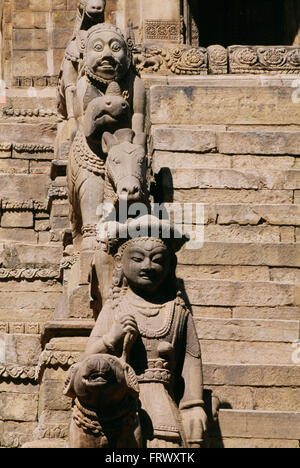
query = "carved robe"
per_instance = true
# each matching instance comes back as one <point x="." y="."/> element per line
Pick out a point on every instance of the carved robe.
<point x="167" y="335"/>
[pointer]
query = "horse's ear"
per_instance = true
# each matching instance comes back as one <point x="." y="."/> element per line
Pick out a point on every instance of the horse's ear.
<point x="108" y="141"/>
<point x="131" y="380"/>
<point x="124" y="134"/>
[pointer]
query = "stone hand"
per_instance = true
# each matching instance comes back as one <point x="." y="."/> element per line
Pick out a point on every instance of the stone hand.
<point x="126" y="324"/>
<point x="195" y="423"/>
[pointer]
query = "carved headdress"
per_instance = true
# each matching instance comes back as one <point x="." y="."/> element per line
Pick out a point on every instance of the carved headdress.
<point x="116" y="236"/>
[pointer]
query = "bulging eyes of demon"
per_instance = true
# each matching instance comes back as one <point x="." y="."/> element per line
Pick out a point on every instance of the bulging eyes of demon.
<point x="107" y="55"/>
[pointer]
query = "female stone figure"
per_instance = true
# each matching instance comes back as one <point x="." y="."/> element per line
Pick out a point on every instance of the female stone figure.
<point x="147" y="311"/>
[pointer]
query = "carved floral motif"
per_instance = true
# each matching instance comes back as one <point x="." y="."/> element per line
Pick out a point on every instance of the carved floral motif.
<point x="160" y="30"/>
<point x="255" y="59"/>
<point x="183" y="61"/>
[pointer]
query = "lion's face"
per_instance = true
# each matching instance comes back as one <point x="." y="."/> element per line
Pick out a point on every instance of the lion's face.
<point x="100" y="380"/>
<point x="105" y="113"/>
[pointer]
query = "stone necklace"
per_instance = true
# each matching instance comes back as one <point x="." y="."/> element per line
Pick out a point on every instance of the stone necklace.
<point x="153" y="320"/>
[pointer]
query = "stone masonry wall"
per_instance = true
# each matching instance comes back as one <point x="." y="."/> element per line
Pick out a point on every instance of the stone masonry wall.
<point x="36" y="34"/>
<point x="29" y="256"/>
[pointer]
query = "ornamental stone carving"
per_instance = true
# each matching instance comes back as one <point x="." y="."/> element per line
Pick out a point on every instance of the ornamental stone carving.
<point x="142" y="365"/>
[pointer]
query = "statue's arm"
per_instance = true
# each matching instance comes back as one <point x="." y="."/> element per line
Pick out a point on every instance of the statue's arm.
<point x="109" y="332"/>
<point x="139" y="106"/>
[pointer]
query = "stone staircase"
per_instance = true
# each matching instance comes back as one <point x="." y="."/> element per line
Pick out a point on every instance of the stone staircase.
<point x="229" y="143"/>
<point x="232" y="145"/>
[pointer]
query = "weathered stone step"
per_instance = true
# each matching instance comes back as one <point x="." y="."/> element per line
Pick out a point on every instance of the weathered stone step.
<point x="240" y="293"/>
<point x="250" y="375"/>
<point x="218" y="139"/>
<point x="231" y="196"/>
<point x="271" y="313"/>
<point x="250" y="234"/>
<point x="234" y="443"/>
<point x="239" y="273"/>
<point x="230" y="179"/>
<point x="188" y="161"/>
<point x="236" y="104"/>
<point x="253" y="313"/>
<point x="260" y="424"/>
<point x="256" y="398"/>
<point x="245" y="352"/>
<point x="239" y="214"/>
<point x="225" y="253"/>
<point x="281" y="331"/>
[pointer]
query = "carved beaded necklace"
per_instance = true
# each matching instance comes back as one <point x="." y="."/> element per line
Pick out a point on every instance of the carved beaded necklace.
<point x="154" y="321"/>
<point x="85" y="157"/>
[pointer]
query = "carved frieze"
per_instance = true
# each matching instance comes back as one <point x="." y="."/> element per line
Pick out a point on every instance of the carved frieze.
<point x="162" y="30"/>
<point x="35" y="81"/>
<point x="49" y="359"/>
<point x="28" y="273"/>
<point x="179" y="60"/>
<point x="217" y="60"/>
<point x="254" y="59"/>
<point x="186" y="61"/>
<point x="30" y="328"/>
<point x="17" y="372"/>
<point x="34" y="113"/>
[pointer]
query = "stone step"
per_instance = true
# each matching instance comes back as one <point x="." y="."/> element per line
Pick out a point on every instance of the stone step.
<point x="226" y="253"/>
<point x="237" y="179"/>
<point x="240" y="293"/>
<point x="240" y="214"/>
<point x="190" y="160"/>
<point x="241" y="424"/>
<point x="265" y="313"/>
<point x="230" y="196"/>
<point x="241" y="140"/>
<point x="259" y="330"/>
<point x="232" y="443"/>
<point x="254" y="387"/>
<point x="245" y="352"/>
<point x="224" y="104"/>
<point x="248" y="375"/>
<point x="252" y="313"/>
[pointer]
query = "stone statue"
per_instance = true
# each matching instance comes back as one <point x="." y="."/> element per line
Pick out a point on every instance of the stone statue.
<point x="147" y="320"/>
<point x="108" y="58"/>
<point x="109" y="97"/>
<point x="89" y="13"/>
<point x="109" y="171"/>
